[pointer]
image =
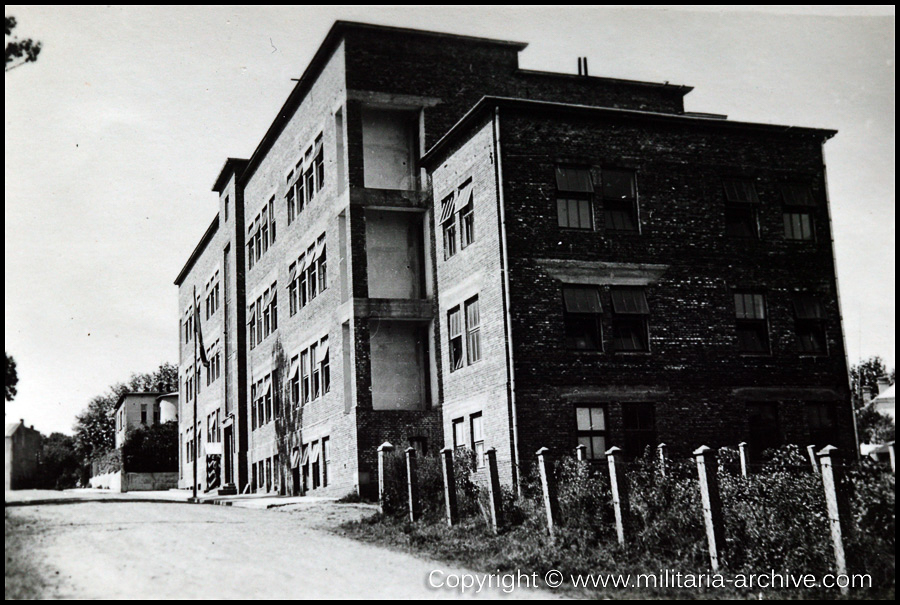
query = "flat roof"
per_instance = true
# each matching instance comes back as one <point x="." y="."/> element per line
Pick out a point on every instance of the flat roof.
<point x="552" y="107"/>
<point x="133" y="394"/>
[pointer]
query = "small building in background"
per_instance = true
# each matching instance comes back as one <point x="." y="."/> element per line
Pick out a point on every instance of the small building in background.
<point x="23" y="450"/>
<point x="884" y="401"/>
<point x="135" y="410"/>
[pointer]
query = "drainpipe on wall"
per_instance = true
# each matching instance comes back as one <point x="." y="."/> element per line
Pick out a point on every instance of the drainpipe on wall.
<point x="504" y="265"/>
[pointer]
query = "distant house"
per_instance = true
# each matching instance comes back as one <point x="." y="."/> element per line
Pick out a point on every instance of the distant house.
<point x="23" y="449"/>
<point x="134" y="410"/>
<point x="884" y="401"/>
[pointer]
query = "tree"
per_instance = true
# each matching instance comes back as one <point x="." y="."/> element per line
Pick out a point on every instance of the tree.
<point x="95" y="427"/>
<point x="872" y="425"/>
<point x="19" y="52"/>
<point x="59" y="467"/>
<point x="151" y="449"/>
<point x="12" y="378"/>
<point x="864" y="380"/>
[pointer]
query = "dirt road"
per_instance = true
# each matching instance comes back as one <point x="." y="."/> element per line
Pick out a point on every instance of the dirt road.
<point x="125" y="550"/>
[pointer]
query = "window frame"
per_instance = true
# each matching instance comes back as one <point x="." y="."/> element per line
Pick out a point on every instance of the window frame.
<point x="578" y="319"/>
<point x="590" y="433"/>
<point x="575" y="184"/>
<point x="743" y="206"/>
<point x="636" y="320"/>
<point x="624" y="206"/>
<point x="759" y="325"/>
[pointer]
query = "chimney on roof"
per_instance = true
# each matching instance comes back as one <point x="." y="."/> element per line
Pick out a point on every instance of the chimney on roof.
<point x="883" y="385"/>
<point x="582" y="66"/>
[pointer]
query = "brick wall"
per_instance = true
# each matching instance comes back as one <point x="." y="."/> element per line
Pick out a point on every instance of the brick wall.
<point x="694" y="373"/>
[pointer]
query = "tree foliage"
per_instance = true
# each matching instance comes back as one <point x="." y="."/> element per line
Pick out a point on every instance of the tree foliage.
<point x="59" y="467"/>
<point x="864" y="380"/>
<point x="95" y="427"/>
<point x="872" y="425"/>
<point x="151" y="449"/>
<point x="19" y="52"/>
<point x="12" y="377"/>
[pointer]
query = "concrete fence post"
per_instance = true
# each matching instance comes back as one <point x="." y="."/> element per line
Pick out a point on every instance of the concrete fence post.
<point x="449" y="485"/>
<point x="383" y="449"/>
<point x="581" y="453"/>
<point x="811" y="452"/>
<point x="493" y="489"/>
<point x="412" y="484"/>
<point x="662" y="454"/>
<point x="707" y="470"/>
<point x="548" y="485"/>
<point x="891" y="453"/>
<point x="745" y="464"/>
<point x="618" y="484"/>
<point x="837" y="505"/>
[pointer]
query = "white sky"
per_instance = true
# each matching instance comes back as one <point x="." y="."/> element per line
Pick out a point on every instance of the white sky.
<point x="115" y="136"/>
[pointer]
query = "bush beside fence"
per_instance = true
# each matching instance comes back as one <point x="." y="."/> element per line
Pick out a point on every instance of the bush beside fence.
<point x="772" y="518"/>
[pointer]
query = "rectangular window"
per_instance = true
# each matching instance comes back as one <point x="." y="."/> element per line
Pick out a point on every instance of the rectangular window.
<point x="326" y="459"/>
<point x="312" y="280"/>
<point x="304" y="375"/>
<point x="322" y="264"/>
<point x="143" y="413"/>
<point x="264" y="217"/>
<point x="473" y="331"/>
<point x="809" y="321"/>
<point x="459" y="433"/>
<point x="254" y="419"/>
<point x="289" y="198"/>
<point x="574" y="198"/>
<point x="590" y="424"/>
<point x="267" y="324"/>
<point x="629" y="320"/>
<point x="315" y="460"/>
<point x="619" y="200"/>
<point x="316" y="371"/>
<point x="226" y="208"/>
<point x="752" y="327"/>
<point x="448" y="226"/>
<point x="639" y="426"/>
<point x="741" y="201"/>
<point x="251" y="322"/>
<point x="272" y="230"/>
<point x="454" y="321"/>
<point x="273" y="305"/>
<point x="798" y="225"/>
<point x="267" y="391"/>
<point x="259" y="320"/>
<point x="319" y="163"/>
<point x="292" y="289"/>
<point x="477" y="428"/>
<point x="326" y="368"/>
<point x="303" y="274"/>
<point x="466" y="204"/>
<point x="764" y="429"/>
<point x="820" y="421"/>
<point x="581" y="314"/>
<point x="294" y="379"/>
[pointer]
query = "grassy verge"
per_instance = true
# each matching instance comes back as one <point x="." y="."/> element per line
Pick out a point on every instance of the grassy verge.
<point x="528" y="550"/>
<point x="23" y="577"/>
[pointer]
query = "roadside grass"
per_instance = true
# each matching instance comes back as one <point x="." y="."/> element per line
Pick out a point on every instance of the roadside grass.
<point x="24" y="579"/>
<point x="775" y="524"/>
<point x="529" y="550"/>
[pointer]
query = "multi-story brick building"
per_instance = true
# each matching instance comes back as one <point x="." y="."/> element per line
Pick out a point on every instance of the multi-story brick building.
<point x="433" y="246"/>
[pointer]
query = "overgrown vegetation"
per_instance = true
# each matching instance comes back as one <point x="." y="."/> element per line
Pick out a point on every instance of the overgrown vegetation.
<point x="774" y="520"/>
<point x="151" y="449"/>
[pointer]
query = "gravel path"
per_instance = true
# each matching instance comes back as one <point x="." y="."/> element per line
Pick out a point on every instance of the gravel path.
<point x="126" y="550"/>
